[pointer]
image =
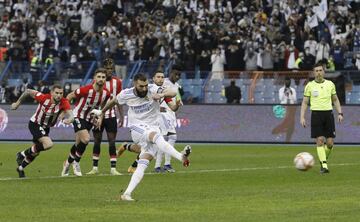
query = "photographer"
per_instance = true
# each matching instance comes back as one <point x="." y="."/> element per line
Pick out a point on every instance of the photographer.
<point x="287" y="94"/>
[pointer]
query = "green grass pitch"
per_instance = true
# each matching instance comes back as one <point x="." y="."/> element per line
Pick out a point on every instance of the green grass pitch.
<point x="223" y="183"/>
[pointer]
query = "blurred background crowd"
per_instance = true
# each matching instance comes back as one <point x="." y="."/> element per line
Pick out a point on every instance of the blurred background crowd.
<point x="200" y="35"/>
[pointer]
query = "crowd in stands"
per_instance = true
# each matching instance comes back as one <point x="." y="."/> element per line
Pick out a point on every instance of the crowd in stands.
<point x="207" y="35"/>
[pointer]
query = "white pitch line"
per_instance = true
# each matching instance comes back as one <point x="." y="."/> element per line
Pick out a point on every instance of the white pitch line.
<point x="177" y="172"/>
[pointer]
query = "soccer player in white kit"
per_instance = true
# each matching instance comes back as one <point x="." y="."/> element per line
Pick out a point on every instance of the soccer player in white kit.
<point x="143" y="120"/>
<point x="168" y="116"/>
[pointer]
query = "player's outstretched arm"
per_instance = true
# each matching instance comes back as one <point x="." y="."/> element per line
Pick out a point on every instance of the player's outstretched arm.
<point x="110" y="104"/>
<point x="304" y="106"/>
<point x="121" y="114"/>
<point x="100" y="113"/>
<point x="27" y="93"/>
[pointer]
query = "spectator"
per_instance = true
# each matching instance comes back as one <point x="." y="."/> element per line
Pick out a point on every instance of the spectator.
<point x="308" y="61"/>
<point x="267" y="58"/>
<point x="287" y="94"/>
<point x="232" y="93"/>
<point x="204" y="60"/>
<point x="337" y="52"/>
<point x="235" y="57"/>
<point x="120" y="57"/>
<point x="21" y="89"/>
<point x="322" y="50"/>
<point x="42" y="87"/>
<point x="250" y="59"/>
<point x="330" y="65"/>
<point x="299" y="61"/>
<point x="218" y="62"/>
<point x="291" y="55"/>
<point x="311" y="45"/>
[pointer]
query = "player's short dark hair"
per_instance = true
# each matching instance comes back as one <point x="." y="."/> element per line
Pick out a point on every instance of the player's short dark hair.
<point x="108" y="63"/>
<point x="319" y="63"/>
<point x="158" y="71"/>
<point x="102" y="70"/>
<point x="56" y="86"/>
<point x="177" y="67"/>
<point x="140" y="76"/>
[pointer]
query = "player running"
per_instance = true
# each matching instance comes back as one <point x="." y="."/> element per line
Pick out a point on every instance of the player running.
<point x="51" y="107"/>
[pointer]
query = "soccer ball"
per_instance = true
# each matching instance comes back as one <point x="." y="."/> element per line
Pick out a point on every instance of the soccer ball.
<point x="304" y="161"/>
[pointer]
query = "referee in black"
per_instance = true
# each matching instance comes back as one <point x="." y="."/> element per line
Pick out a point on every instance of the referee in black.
<point x="321" y="94"/>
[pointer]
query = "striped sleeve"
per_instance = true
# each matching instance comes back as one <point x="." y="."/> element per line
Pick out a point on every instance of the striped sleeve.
<point x="65" y="105"/>
<point x="39" y="97"/>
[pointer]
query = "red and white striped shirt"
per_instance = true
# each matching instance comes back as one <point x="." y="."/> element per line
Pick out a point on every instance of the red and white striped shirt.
<point x="114" y="86"/>
<point x="88" y="99"/>
<point x="47" y="112"/>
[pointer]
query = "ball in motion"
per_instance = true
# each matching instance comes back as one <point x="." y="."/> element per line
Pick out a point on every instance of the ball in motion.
<point x="304" y="161"/>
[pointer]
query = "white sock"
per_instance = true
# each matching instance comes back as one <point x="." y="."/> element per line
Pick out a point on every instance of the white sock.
<point x="166" y="147"/>
<point x="137" y="176"/>
<point x="158" y="160"/>
<point x="171" y="140"/>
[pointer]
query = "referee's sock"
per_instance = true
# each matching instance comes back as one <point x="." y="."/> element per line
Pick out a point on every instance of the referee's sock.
<point x="322" y="156"/>
<point x="327" y="150"/>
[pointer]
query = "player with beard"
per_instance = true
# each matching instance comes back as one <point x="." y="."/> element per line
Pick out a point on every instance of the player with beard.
<point x="168" y="107"/>
<point x="51" y="107"/>
<point x="89" y="97"/>
<point x="143" y="120"/>
<point x="113" y="84"/>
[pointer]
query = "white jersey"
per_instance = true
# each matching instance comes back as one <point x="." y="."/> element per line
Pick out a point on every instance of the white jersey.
<point x="174" y="87"/>
<point x="141" y="110"/>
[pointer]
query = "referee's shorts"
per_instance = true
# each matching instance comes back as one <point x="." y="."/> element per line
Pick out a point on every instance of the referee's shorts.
<point x="322" y="124"/>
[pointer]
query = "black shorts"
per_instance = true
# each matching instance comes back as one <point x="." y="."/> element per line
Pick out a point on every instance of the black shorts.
<point x="322" y="124"/>
<point x="81" y="124"/>
<point x="109" y="124"/>
<point x="38" y="131"/>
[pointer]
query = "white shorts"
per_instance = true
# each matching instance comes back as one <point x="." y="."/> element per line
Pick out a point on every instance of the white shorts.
<point x="167" y="123"/>
<point x="140" y="135"/>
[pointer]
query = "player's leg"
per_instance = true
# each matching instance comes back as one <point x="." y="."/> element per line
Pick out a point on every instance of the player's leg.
<point x="112" y="153"/>
<point x="110" y="126"/>
<point x="139" y="135"/>
<point x="158" y="139"/>
<point x="82" y="138"/>
<point x="158" y="161"/>
<point x="97" y="133"/>
<point x="133" y="166"/>
<point x="137" y="176"/>
<point x="41" y="142"/>
<point x="131" y="147"/>
<point x="172" y="137"/>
